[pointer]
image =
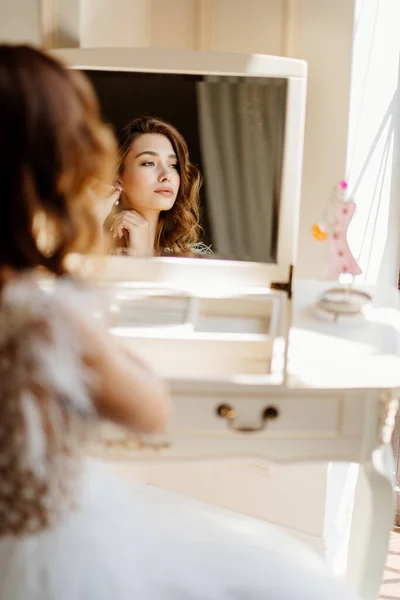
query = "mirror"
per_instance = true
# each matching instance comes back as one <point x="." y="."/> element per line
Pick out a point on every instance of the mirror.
<point x="234" y="128"/>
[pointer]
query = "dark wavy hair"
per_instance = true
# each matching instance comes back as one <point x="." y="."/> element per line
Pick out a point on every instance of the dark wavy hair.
<point x="53" y="147"/>
<point x="179" y="228"/>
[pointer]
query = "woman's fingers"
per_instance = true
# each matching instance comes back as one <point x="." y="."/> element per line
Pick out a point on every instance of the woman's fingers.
<point x="130" y="216"/>
<point x="134" y="229"/>
<point x="126" y="222"/>
<point x="119" y="226"/>
<point x="129" y="220"/>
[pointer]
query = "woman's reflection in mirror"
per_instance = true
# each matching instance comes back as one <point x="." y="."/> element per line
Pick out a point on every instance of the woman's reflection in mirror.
<point x="158" y="210"/>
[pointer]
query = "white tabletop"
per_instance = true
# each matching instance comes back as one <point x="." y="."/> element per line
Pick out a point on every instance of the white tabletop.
<point x="352" y="352"/>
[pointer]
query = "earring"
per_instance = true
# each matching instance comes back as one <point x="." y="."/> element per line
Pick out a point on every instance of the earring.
<point x="117" y="188"/>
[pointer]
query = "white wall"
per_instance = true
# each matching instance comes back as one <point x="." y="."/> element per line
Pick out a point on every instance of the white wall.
<point x="174" y="24"/>
<point x="21" y="21"/>
<point x="325" y="35"/>
<point x="117" y="23"/>
<point x="250" y="26"/>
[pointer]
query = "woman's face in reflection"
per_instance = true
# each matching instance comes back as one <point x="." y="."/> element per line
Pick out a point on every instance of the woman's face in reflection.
<point x="150" y="177"/>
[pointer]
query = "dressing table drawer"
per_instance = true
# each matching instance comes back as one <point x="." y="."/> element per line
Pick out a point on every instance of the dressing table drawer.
<point x="274" y="416"/>
<point x="277" y="425"/>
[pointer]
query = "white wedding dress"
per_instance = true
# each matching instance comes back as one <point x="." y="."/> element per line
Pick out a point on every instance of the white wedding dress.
<point x="70" y="530"/>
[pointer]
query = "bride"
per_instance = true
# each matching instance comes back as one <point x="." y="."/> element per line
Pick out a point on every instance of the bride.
<point x="69" y="530"/>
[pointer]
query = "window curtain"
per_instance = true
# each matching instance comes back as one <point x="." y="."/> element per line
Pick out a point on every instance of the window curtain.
<point x="241" y="128"/>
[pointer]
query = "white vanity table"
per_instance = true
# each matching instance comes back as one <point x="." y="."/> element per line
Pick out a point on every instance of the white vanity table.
<point x="218" y="330"/>
<point x="338" y="403"/>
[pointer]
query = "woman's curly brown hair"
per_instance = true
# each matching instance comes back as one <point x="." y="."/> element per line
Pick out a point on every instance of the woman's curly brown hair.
<point x="54" y="146"/>
<point x="178" y="228"/>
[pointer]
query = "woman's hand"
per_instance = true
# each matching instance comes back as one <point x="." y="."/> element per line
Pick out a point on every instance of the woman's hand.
<point x="131" y="226"/>
<point x="106" y="197"/>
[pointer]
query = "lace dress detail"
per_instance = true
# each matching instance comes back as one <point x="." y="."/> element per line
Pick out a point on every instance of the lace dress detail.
<point x="44" y="410"/>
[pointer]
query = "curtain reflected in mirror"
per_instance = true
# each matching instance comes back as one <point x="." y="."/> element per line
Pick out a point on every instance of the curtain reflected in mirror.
<point x="241" y="127"/>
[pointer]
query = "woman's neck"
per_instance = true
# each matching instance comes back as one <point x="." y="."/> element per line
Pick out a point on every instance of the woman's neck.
<point x="152" y="218"/>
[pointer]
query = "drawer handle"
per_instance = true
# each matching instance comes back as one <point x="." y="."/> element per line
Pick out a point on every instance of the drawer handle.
<point x="225" y="411"/>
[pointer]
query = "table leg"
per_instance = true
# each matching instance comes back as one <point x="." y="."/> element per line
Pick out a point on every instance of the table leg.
<point x="373" y="520"/>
